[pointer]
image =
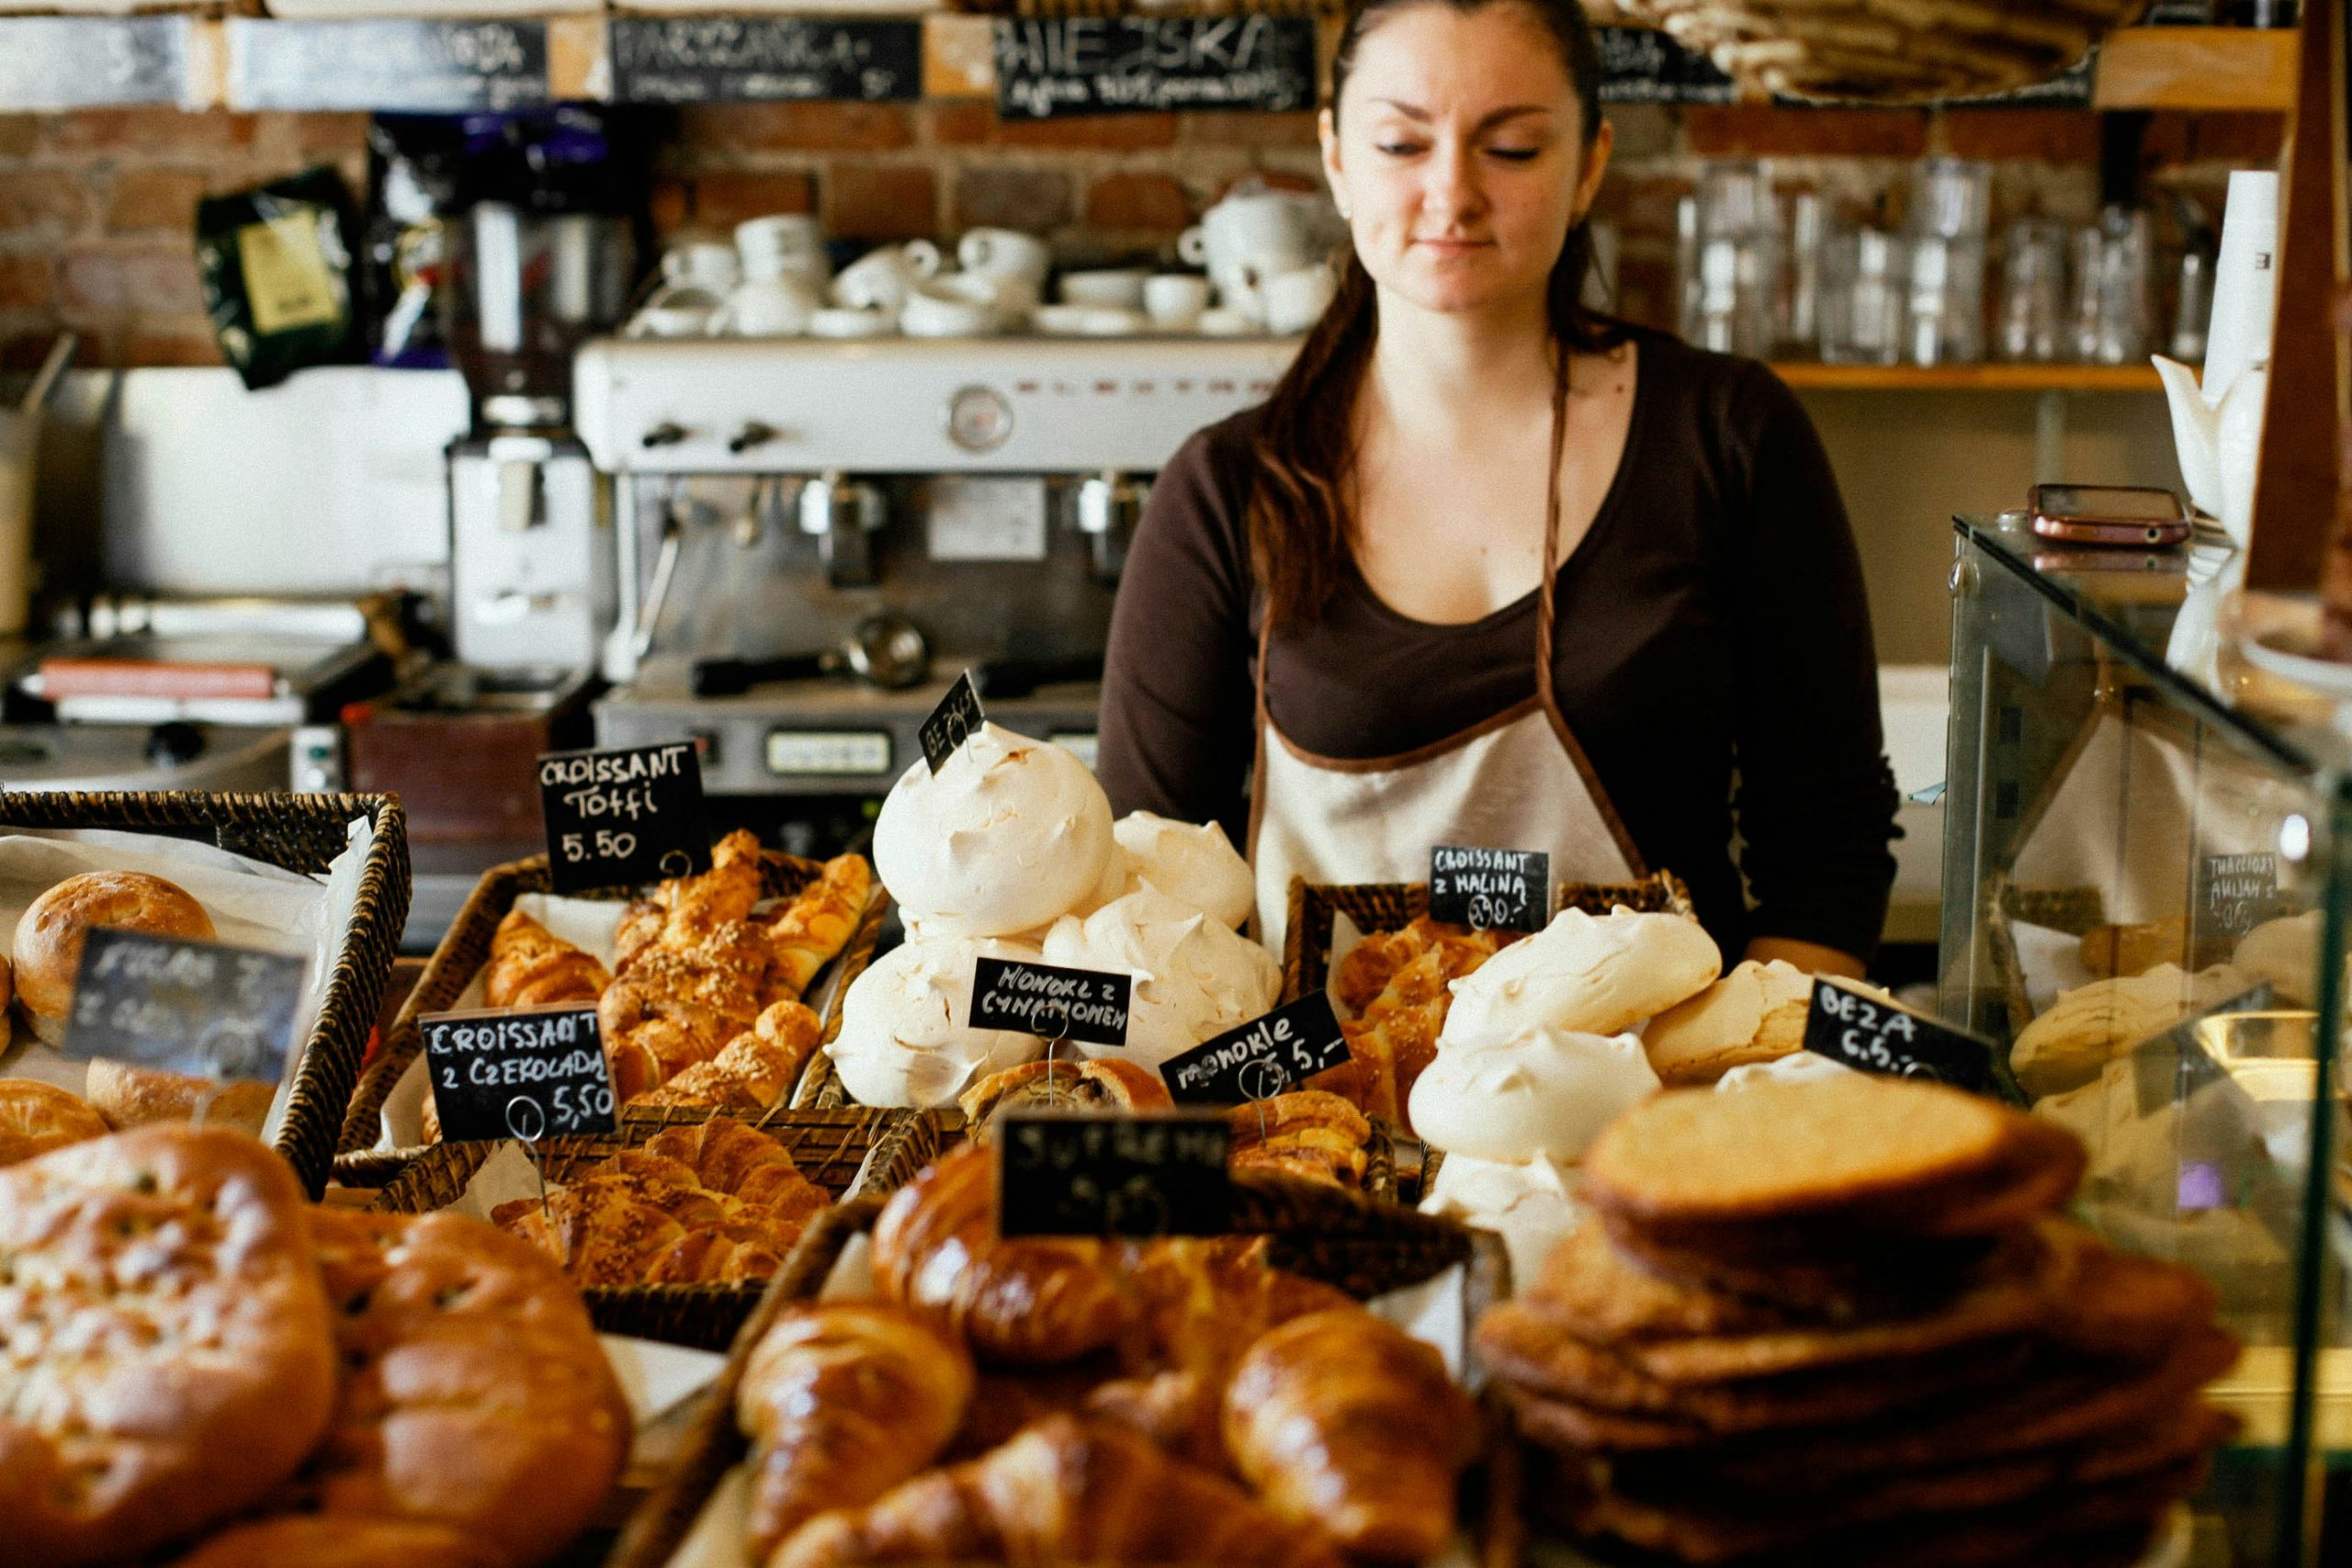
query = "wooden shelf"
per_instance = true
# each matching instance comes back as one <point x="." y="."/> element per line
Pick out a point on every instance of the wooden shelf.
<point x="1815" y="377"/>
<point x="2197" y="68"/>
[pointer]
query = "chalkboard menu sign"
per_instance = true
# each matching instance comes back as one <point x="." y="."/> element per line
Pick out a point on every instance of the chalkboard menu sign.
<point x="1081" y="1175"/>
<point x="410" y="63"/>
<point x="1262" y="1058"/>
<point x="2235" y="893"/>
<point x="624" y="816"/>
<point x="184" y="1006"/>
<point x="706" y="60"/>
<point x="1060" y="1004"/>
<point x="1876" y="1035"/>
<point x="63" y="62"/>
<point x="1493" y="890"/>
<point x="1093" y="65"/>
<point x="955" y="720"/>
<point x="1641" y="65"/>
<point x="528" y="1073"/>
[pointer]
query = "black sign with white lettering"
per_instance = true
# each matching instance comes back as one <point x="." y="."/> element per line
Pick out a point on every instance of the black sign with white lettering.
<point x="184" y="1006"/>
<point x="1059" y="1004"/>
<point x="421" y="65"/>
<point x="1092" y="65"/>
<point x="1490" y="890"/>
<point x="711" y="60"/>
<point x="1262" y="1058"/>
<point x="2235" y="893"/>
<point x="1876" y="1035"/>
<point x="622" y="816"/>
<point x="1081" y="1175"/>
<point x="955" y="720"/>
<point x="1642" y="65"/>
<point x="528" y="1073"/>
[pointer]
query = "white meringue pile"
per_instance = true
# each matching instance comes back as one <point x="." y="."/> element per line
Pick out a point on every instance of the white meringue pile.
<point x="1009" y="852"/>
<point x="1540" y="1050"/>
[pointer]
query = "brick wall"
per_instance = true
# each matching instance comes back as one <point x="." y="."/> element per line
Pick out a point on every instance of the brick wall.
<point x="96" y="207"/>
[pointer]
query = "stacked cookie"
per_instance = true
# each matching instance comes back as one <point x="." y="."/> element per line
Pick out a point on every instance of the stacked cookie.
<point x="1839" y="1323"/>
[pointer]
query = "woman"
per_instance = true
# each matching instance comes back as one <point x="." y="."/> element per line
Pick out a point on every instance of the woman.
<point x="1489" y="569"/>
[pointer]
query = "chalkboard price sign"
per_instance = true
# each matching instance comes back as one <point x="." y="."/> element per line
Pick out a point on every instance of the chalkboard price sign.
<point x="528" y="1073"/>
<point x="1060" y="1004"/>
<point x="1126" y="1176"/>
<point x="393" y="62"/>
<point x="184" y="1006"/>
<point x="1093" y="65"/>
<point x="621" y="816"/>
<point x="1876" y="1035"/>
<point x="955" y="720"/>
<point x="1642" y="65"/>
<point x="1494" y="890"/>
<point x="706" y="60"/>
<point x="2235" y="893"/>
<point x="1262" y="1058"/>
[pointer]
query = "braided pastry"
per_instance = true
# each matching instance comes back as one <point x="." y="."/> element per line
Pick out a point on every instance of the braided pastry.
<point x="819" y="923"/>
<point x="531" y="966"/>
<point x="757" y="1069"/>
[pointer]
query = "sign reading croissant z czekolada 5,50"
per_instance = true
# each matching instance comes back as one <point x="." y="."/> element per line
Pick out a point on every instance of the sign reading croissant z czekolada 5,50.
<point x="1062" y="1174"/>
<point x="184" y="1007"/>
<point x="528" y="1073"/>
<point x="622" y="816"/>
<point x="1059" y="1004"/>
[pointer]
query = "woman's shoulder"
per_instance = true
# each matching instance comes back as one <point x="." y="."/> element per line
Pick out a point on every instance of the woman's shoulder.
<point x="1730" y="391"/>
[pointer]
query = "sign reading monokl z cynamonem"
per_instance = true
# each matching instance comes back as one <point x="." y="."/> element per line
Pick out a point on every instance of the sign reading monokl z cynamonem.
<point x="1059" y="1004"/>
<point x="621" y="816"/>
<point x="528" y="1073"/>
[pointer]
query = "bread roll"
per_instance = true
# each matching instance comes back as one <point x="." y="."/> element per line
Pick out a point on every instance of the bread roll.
<point x="37" y="1117"/>
<point x="132" y="1096"/>
<point x="48" y="948"/>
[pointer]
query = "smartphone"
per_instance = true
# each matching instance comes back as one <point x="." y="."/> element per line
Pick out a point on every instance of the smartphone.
<point x="2109" y="514"/>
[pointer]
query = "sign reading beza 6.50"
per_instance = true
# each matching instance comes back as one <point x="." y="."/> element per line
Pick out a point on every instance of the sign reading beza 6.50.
<point x="624" y="816"/>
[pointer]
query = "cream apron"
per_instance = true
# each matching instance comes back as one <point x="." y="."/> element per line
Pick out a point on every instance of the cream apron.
<point x="1519" y="781"/>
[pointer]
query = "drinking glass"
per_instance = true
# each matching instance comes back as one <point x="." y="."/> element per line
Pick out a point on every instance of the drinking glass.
<point x="2033" y="291"/>
<point x="1864" y="296"/>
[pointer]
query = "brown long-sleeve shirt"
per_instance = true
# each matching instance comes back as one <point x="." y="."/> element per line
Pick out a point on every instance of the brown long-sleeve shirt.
<point x="1714" y="657"/>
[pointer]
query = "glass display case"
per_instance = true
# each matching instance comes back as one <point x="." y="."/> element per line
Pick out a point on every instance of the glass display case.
<point x="2148" y="881"/>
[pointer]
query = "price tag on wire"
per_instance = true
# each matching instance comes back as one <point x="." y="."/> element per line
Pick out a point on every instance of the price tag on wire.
<point x="1092" y="1004"/>
<point x="199" y="1008"/>
<point x="957" y="720"/>
<point x="1495" y="890"/>
<point x="528" y="1073"/>
<point x="1878" y="1036"/>
<point x="622" y="816"/>
<point x="1063" y="1174"/>
<point x="1262" y="1058"/>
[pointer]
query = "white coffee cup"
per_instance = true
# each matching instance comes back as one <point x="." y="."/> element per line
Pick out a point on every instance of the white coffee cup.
<point x="1175" y="300"/>
<point x="881" y="279"/>
<point x="676" y="309"/>
<point x="1008" y="295"/>
<point x="784" y="244"/>
<point x="1005" y="253"/>
<point x="1275" y="230"/>
<point x="703" y="263"/>
<point x="847" y="321"/>
<point x="936" y="310"/>
<point x="1117" y="288"/>
<point x="1220" y="320"/>
<point x="1296" y="300"/>
<point x="776" y="307"/>
<point x="1088" y="321"/>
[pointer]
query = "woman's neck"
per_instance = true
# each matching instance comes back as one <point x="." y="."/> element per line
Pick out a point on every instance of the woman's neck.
<point x="1440" y="370"/>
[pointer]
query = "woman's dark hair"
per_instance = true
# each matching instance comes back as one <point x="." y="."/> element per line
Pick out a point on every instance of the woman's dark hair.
<point x="1299" y="530"/>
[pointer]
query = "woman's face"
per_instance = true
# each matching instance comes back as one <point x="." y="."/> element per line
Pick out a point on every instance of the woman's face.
<point x="1458" y="155"/>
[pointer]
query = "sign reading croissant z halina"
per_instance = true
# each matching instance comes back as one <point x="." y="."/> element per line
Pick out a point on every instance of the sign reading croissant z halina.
<point x="1144" y="64"/>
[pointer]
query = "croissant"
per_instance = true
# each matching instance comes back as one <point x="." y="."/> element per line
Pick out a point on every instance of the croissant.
<point x="726" y="1252"/>
<point x="1107" y="1085"/>
<point x="725" y="1156"/>
<point x="1063" y="1491"/>
<point x="531" y="966"/>
<point x="1026" y="1301"/>
<point x="819" y="921"/>
<point x="603" y="1232"/>
<point x="1396" y="1039"/>
<point x="842" y="1402"/>
<point x="755" y="1069"/>
<point x="674" y="1007"/>
<point x="1344" y="1419"/>
<point x="725" y="893"/>
<point x="1305" y="1132"/>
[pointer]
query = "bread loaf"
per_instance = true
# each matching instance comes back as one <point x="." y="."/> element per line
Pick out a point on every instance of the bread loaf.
<point x="37" y="1117"/>
<point x="47" y="947"/>
<point x="134" y="1096"/>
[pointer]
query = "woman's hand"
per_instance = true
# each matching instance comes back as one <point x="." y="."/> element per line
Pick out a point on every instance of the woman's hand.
<point x="1809" y="956"/>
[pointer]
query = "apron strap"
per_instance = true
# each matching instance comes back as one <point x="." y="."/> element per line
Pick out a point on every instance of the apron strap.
<point x="1545" y="592"/>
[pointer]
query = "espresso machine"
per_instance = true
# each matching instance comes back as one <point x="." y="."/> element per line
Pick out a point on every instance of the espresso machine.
<point x="815" y="537"/>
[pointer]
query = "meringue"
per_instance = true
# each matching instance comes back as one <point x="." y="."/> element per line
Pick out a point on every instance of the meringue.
<point x="1195" y="978"/>
<point x="2284" y="952"/>
<point x="1007" y="837"/>
<point x="1753" y="1014"/>
<point x="1532" y="1205"/>
<point x="1586" y="974"/>
<point x="2069" y="1045"/>
<point x="903" y="1039"/>
<point x="1195" y="865"/>
<point x="1544" y="1093"/>
<point x="1799" y="1066"/>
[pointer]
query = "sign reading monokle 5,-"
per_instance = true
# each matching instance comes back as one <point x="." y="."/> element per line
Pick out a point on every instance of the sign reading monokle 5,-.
<point x="623" y="817"/>
<point x="528" y="1073"/>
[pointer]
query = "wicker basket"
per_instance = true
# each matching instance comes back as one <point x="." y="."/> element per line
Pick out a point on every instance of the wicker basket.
<point x="466" y="948"/>
<point x="1387" y="906"/>
<point x="302" y="833"/>
<point x="850" y="1153"/>
<point x="1363" y="1248"/>
<point x="1889" y="50"/>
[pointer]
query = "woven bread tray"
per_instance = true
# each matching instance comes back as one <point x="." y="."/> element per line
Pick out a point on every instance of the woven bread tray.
<point x="300" y="833"/>
<point x="1363" y="1248"/>
<point x="1389" y="906"/>
<point x="465" y="948"/>
<point x="850" y="1153"/>
<point x="2075" y="910"/>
